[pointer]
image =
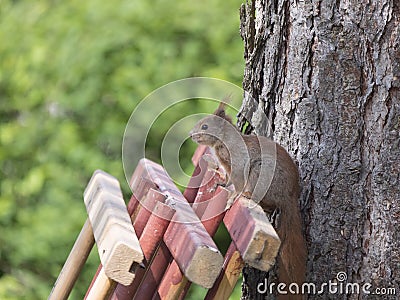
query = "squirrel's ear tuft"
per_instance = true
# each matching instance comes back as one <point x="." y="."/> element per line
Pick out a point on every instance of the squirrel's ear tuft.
<point x="220" y="112"/>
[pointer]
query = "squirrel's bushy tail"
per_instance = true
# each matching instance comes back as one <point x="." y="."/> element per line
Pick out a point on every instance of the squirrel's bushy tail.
<point x="293" y="252"/>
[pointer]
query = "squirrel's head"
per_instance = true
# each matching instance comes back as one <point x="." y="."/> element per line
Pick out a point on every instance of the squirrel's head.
<point x="212" y="128"/>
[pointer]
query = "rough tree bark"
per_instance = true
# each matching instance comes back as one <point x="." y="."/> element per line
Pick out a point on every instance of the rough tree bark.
<point x="327" y="75"/>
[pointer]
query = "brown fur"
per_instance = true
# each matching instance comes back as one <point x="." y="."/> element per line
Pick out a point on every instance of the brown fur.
<point x="236" y="152"/>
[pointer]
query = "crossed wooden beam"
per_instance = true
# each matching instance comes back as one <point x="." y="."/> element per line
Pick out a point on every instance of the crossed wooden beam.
<point x="159" y="243"/>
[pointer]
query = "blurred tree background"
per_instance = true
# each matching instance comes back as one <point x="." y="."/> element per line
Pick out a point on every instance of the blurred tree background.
<point x="71" y="73"/>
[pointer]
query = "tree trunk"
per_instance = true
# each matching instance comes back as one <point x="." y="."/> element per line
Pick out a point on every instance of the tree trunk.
<point x="327" y="75"/>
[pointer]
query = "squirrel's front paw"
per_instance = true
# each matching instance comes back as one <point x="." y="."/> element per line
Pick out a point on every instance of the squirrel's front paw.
<point x="212" y="163"/>
<point x="231" y="200"/>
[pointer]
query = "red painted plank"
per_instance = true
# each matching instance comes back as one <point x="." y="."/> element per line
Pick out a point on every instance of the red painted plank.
<point x="192" y="247"/>
<point x="143" y="191"/>
<point x="226" y="281"/>
<point x="150" y="172"/>
<point x="186" y="237"/>
<point x="148" y="204"/>
<point x="253" y="236"/>
<point x="155" y="173"/>
<point x="209" y="205"/>
<point x="212" y="215"/>
<point x="154" y="274"/>
<point x="149" y="240"/>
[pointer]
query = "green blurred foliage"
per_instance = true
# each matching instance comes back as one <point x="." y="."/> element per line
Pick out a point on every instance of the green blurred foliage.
<point x="71" y="73"/>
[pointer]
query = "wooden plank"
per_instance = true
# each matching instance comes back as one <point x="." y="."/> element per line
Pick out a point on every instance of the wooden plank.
<point x="213" y="216"/>
<point x="192" y="248"/>
<point x="74" y="263"/>
<point x="155" y="228"/>
<point x="146" y="173"/>
<point x="186" y="238"/>
<point x="198" y="154"/>
<point x="140" y="186"/>
<point x="154" y="274"/>
<point x="149" y="239"/>
<point x="115" y="237"/>
<point x="101" y="287"/>
<point x="207" y="194"/>
<point x="194" y="183"/>
<point x="153" y="197"/>
<point x="198" y="174"/>
<point x="224" y="285"/>
<point x="215" y="210"/>
<point x="139" y="183"/>
<point x="254" y="236"/>
<point x="209" y="205"/>
<point x="132" y="205"/>
<point x="173" y="283"/>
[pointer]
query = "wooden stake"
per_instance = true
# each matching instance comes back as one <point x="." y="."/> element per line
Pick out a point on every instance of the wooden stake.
<point x="74" y="263"/>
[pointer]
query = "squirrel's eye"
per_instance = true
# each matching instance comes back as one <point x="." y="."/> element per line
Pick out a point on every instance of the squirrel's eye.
<point x="204" y="127"/>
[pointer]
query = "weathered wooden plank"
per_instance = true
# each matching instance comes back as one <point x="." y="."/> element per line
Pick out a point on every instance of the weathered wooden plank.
<point x="115" y="237"/>
<point x="132" y="206"/>
<point x="149" y="237"/>
<point x="142" y="183"/>
<point x="101" y="287"/>
<point x="197" y="176"/>
<point x="209" y="205"/>
<point x="140" y="187"/>
<point x="213" y="215"/>
<point x="186" y="238"/>
<point x="226" y="281"/>
<point x="155" y="228"/>
<point x="173" y="283"/>
<point x="254" y="236"/>
<point x="192" y="248"/>
<point x="151" y="200"/>
<point x="198" y="154"/>
<point x="154" y="274"/>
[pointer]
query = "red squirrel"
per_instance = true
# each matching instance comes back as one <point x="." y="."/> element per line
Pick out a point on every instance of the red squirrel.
<point x="262" y="170"/>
